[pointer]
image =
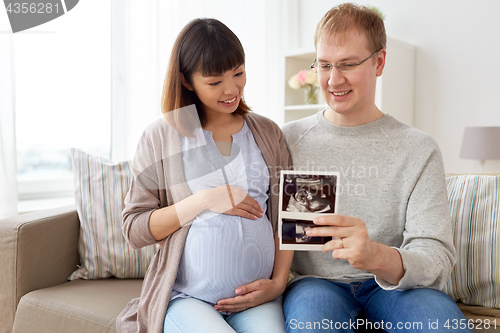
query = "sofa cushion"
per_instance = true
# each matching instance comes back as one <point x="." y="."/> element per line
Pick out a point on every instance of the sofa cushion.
<point x="37" y="250"/>
<point x="480" y="312"/>
<point x="76" y="306"/>
<point x="100" y="189"/>
<point x="475" y="215"/>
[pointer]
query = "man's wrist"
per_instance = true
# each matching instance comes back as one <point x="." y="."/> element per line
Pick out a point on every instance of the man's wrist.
<point x="380" y="258"/>
<point x="388" y="264"/>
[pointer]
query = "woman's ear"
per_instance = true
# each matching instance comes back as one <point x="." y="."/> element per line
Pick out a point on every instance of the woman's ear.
<point x="185" y="83"/>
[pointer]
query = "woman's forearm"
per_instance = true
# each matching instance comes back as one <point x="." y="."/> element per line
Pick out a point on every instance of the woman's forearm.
<point x="282" y="263"/>
<point x="224" y="199"/>
<point x="165" y="221"/>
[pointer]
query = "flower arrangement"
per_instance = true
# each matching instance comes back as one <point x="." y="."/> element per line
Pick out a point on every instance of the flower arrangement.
<point x="303" y="78"/>
<point x="308" y="80"/>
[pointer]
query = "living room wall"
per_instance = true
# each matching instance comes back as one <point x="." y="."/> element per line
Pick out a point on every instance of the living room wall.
<point x="456" y="66"/>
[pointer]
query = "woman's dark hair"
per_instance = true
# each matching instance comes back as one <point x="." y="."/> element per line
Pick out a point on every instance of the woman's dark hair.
<point x="205" y="45"/>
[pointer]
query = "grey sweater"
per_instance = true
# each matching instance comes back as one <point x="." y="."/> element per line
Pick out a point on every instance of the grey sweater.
<point x="391" y="177"/>
<point x="158" y="181"/>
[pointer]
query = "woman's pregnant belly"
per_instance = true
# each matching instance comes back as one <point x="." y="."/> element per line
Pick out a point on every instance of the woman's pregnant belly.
<point x="222" y="253"/>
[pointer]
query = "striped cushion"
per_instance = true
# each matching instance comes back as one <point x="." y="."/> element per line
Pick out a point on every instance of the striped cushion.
<point x="100" y="189"/>
<point x="475" y="209"/>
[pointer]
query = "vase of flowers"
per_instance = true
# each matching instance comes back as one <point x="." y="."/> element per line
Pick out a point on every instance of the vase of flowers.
<point x="307" y="80"/>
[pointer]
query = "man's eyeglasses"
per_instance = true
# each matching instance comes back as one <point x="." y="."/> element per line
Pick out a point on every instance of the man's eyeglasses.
<point x="343" y="66"/>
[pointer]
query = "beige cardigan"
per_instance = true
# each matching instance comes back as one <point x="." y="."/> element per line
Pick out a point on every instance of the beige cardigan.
<point x="158" y="181"/>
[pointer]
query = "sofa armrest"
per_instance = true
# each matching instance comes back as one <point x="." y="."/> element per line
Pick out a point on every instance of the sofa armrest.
<point x="38" y="250"/>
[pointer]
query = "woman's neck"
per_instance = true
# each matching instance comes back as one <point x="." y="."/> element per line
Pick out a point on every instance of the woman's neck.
<point x="223" y="126"/>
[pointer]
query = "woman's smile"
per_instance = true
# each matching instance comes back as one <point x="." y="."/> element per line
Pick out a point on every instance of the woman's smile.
<point x="230" y="102"/>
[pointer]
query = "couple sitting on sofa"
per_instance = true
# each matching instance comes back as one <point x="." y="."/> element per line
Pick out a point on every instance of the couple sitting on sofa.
<point x="204" y="184"/>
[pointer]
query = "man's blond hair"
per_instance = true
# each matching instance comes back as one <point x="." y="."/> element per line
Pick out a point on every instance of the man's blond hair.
<point x="343" y="18"/>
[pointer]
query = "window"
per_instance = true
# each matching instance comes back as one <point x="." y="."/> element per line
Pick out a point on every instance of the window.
<point x="92" y="79"/>
<point x="63" y="97"/>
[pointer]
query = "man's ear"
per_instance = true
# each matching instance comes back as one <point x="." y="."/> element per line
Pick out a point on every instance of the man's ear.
<point x="381" y="61"/>
<point x="185" y="83"/>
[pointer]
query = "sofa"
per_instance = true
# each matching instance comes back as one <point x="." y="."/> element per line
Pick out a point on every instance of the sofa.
<point x="40" y="250"/>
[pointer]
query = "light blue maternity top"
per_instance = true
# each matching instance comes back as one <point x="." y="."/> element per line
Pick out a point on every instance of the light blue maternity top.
<point x="223" y="252"/>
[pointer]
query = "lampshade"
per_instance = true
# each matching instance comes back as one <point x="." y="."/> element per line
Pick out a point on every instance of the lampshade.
<point x="481" y="143"/>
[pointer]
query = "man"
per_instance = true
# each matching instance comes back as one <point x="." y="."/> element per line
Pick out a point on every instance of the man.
<point x="392" y="249"/>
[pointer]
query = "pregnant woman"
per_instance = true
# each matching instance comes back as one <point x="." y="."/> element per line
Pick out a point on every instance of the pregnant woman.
<point x="205" y="186"/>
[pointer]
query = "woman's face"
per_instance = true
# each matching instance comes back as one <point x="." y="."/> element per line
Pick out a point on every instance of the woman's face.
<point x="219" y="94"/>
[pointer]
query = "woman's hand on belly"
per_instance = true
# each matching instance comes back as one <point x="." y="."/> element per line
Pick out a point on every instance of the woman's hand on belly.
<point x="251" y="295"/>
<point x="232" y="200"/>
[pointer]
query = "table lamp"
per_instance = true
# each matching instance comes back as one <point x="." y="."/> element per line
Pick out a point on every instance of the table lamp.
<point x="481" y="143"/>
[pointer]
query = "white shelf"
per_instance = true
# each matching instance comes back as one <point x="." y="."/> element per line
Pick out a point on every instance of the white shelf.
<point x="297" y="60"/>
<point x="304" y="54"/>
<point x="396" y="87"/>
<point x="305" y="107"/>
<point x="296" y="112"/>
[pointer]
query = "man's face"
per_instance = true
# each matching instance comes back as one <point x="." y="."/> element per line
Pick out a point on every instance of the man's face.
<point x="349" y="93"/>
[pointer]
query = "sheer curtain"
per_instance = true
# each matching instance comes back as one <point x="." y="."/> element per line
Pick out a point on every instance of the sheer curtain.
<point x="136" y="78"/>
<point x="8" y="169"/>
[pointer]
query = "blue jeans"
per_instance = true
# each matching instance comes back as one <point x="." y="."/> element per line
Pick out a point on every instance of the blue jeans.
<point x="317" y="305"/>
<point x="190" y="315"/>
